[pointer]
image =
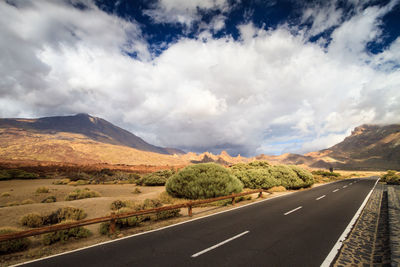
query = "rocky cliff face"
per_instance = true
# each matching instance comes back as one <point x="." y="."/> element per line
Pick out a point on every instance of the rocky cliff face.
<point x="368" y="147"/>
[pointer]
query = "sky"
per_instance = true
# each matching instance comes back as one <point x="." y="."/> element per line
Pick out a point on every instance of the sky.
<point x="248" y="77"/>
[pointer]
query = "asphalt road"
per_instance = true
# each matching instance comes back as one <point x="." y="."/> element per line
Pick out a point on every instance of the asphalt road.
<point x="298" y="229"/>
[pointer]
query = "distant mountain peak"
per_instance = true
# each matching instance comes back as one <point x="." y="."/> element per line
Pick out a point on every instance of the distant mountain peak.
<point x="93" y="127"/>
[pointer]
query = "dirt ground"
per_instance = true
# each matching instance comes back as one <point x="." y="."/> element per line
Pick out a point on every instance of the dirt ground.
<point x="21" y="190"/>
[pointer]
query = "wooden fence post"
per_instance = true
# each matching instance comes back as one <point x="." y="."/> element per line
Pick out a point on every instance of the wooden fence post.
<point x="190" y="211"/>
<point x="112" y="223"/>
<point x="260" y="194"/>
<point x="233" y="201"/>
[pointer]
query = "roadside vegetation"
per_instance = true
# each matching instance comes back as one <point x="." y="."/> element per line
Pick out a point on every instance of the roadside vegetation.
<point x="205" y="180"/>
<point x="42" y="190"/>
<point x="120" y="207"/>
<point x="81" y="194"/>
<point x="34" y="220"/>
<point x="157" y="178"/>
<point x="322" y="176"/>
<point x="65" y="235"/>
<point x="260" y="174"/>
<point x="391" y="178"/>
<point x="103" y="176"/>
<point x="12" y="245"/>
<point x="59" y="216"/>
<point x="8" y="174"/>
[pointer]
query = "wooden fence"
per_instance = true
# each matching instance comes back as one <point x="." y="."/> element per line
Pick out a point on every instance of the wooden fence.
<point x="113" y="217"/>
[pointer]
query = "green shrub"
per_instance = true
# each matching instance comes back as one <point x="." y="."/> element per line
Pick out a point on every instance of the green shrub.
<point x="81" y="194"/>
<point x="287" y="176"/>
<point x="42" y="189"/>
<point x="259" y="164"/>
<point x="49" y="199"/>
<point x="118" y="204"/>
<point x="62" y="182"/>
<point x="17" y="174"/>
<point x="136" y="191"/>
<point x="124" y="176"/>
<point x="65" y="235"/>
<point x="75" y="176"/>
<point x="12" y="245"/>
<point x="5" y="175"/>
<point x="205" y="180"/>
<point x="157" y="178"/>
<point x="129" y="222"/>
<point x="259" y="174"/>
<point x="325" y="173"/>
<point x="256" y="178"/>
<point x="151" y="204"/>
<point x="5" y="194"/>
<point x="162" y="215"/>
<point x="104" y="228"/>
<point x="32" y="220"/>
<point x="137" y="220"/>
<point x="391" y="178"/>
<point x="61" y="214"/>
<point x="304" y="175"/>
<point x="81" y="182"/>
<point x="70" y="213"/>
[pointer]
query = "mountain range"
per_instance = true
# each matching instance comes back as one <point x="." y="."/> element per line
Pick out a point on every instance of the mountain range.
<point x="85" y="139"/>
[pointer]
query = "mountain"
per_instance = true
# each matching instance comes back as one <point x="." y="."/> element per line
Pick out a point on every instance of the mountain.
<point x="84" y="139"/>
<point x="368" y="147"/>
<point x="94" y="128"/>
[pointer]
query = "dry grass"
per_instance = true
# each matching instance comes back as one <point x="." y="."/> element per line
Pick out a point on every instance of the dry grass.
<point x="95" y="207"/>
<point x="5" y="194"/>
<point x="277" y="189"/>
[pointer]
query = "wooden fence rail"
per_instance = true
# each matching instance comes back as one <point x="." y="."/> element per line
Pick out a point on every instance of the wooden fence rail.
<point x="113" y="217"/>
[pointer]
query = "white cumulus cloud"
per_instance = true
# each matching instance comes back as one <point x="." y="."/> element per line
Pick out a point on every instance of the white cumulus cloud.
<point x="270" y="91"/>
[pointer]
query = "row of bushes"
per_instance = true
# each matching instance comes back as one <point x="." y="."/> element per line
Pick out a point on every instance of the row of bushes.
<point x="157" y="178"/>
<point x="210" y="180"/>
<point x="127" y="206"/>
<point x="48" y="199"/>
<point x="260" y="175"/>
<point x="61" y="215"/>
<point x="57" y="216"/>
<point x="103" y="175"/>
<point x="47" y="239"/>
<point x="391" y="177"/>
<point x="325" y="173"/>
<point x="8" y="174"/>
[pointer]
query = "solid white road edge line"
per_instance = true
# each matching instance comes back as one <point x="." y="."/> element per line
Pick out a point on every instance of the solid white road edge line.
<point x="293" y="210"/>
<point x="321" y="197"/>
<point x="159" y="229"/>
<point x="219" y="244"/>
<point x="332" y="254"/>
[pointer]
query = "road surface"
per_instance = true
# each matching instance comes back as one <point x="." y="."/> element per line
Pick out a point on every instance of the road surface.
<point x="298" y="229"/>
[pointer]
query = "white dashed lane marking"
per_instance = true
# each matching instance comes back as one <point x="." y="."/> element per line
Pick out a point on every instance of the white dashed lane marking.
<point x="293" y="210"/>
<point x="219" y="244"/>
